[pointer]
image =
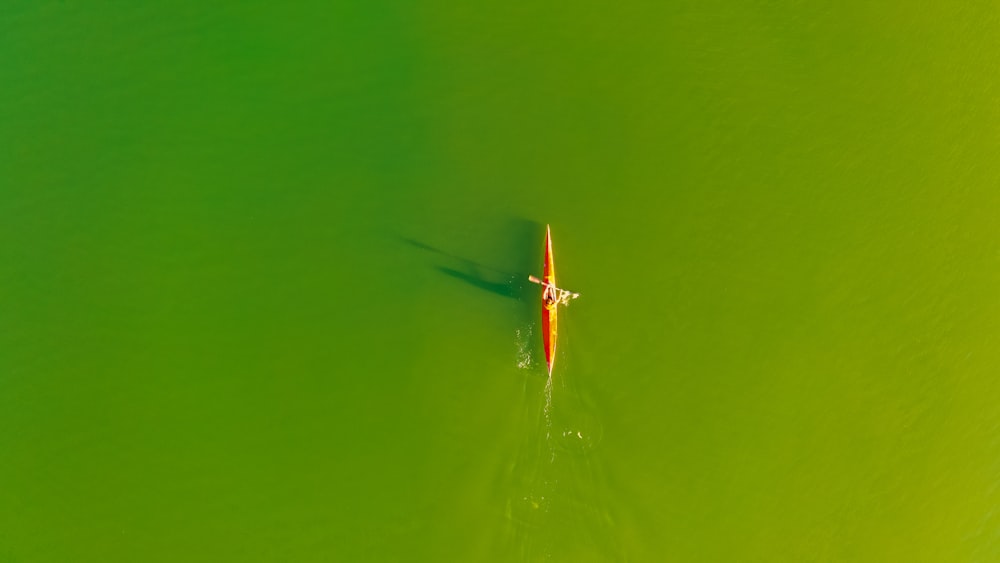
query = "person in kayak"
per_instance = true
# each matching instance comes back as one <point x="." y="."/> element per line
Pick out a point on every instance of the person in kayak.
<point x="552" y="295"/>
<point x="549" y="297"/>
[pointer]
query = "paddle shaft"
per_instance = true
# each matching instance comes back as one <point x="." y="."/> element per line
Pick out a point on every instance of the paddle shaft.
<point x="533" y="279"/>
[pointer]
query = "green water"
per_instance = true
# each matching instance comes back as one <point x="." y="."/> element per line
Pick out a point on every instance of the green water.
<point x="263" y="298"/>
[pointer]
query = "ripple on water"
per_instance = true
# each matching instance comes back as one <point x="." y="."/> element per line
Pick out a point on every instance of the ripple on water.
<point x="576" y="440"/>
<point x="527" y="510"/>
<point x="575" y="429"/>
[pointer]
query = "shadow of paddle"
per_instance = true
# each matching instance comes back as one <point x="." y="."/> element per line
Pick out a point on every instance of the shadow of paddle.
<point x="494" y="280"/>
<point x="506" y="288"/>
<point x="507" y="282"/>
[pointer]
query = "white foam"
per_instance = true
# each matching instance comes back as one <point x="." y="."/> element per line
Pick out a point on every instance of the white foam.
<point x="523" y="342"/>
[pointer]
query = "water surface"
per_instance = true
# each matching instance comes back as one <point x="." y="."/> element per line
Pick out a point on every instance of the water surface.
<point x="263" y="282"/>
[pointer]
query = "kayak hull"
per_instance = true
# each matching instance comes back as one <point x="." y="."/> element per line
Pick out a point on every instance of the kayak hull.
<point x="549" y="307"/>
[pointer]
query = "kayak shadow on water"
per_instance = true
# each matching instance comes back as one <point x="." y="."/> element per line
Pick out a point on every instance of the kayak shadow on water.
<point x="504" y="282"/>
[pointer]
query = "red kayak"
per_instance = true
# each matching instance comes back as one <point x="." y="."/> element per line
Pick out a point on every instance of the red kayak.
<point x="552" y="297"/>
<point x="550" y="304"/>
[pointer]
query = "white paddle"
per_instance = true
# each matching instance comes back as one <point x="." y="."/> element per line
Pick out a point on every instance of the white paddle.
<point x="564" y="296"/>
